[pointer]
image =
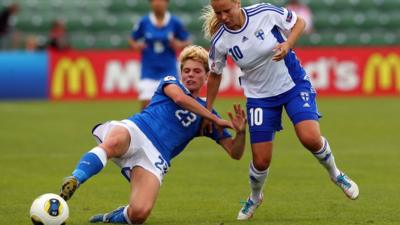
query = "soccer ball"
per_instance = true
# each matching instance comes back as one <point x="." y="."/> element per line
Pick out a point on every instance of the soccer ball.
<point x="49" y="209"/>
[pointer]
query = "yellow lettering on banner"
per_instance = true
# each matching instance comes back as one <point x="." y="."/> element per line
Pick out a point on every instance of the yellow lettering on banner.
<point x="74" y="71"/>
<point x="384" y="68"/>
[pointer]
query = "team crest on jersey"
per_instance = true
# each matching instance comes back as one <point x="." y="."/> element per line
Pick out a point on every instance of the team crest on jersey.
<point x="168" y="78"/>
<point x="305" y="96"/>
<point x="260" y="34"/>
<point x="289" y="16"/>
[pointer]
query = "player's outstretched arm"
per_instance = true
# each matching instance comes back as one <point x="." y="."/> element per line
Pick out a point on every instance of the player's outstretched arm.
<point x="180" y="98"/>
<point x="235" y="146"/>
<point x="214" y="80"/>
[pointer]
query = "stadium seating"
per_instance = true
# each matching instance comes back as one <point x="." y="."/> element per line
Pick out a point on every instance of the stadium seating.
<point x="106" y="24"/>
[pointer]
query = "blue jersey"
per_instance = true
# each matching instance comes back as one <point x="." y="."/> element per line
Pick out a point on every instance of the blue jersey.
<point x="158" y="58"/>
<point x="167" y="125"/>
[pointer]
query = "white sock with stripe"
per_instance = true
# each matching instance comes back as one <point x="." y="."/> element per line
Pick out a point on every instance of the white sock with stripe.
<point x="325" y="157"/>
<point x="257" y="179"/>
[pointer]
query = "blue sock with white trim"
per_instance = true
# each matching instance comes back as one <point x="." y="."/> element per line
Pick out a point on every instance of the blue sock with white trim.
<point x="90" y="164"/>
<point x="257" y="179"/>
<point x="119" y="216"/>
<point x="325" y="157"/>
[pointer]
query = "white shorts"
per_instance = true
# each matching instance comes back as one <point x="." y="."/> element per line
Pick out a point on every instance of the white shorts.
<point x="146" y="88"/>
<point x="141" y="151"/>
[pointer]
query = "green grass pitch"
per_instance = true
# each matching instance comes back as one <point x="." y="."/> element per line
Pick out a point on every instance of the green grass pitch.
<point x="40" y="143"/>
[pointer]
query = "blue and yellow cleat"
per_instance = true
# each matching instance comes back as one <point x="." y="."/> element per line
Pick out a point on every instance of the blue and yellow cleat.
<point x="349" y="187"/>
<point x="116" y="216"/>
<point x="69" y="187"/>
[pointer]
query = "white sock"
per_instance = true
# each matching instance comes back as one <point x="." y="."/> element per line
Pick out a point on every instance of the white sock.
<point x="126" y="215"/>
<point x="101" y="153"/>
<point x="257" y="179"/>
<point x="325" y="157"/>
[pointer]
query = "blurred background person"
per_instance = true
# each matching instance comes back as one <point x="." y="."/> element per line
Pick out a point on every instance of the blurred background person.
<point x="58" y="36"/>
<point x="6" y="34"/>
<point x="304" y="12"/>
<point x="158" y="36"/>
<point x="31" y="43"/>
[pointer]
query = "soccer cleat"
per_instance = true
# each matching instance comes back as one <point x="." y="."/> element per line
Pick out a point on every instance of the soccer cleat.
<point x="111" y="217"/>
<point x="68" y="187"/>
<point x="348" y="186"/>
<point x="249" y="208"/>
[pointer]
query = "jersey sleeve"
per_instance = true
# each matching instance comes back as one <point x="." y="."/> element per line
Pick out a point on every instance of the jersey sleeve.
<point x="216" y="60"/>
<point x="169" y="80"/>
<point x="165" y="81"/>
<point x="215" y="135"/>
<point x="284" y="18"/>
<point x="138" y="30"/>
<point x="180" y="31"/>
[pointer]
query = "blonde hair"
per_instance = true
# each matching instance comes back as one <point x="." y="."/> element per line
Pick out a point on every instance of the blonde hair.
<point x="195" y="53"/>
<point x="211" y="24"/>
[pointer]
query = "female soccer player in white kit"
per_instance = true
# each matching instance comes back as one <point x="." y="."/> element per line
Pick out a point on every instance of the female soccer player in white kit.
<point x="259" y="38"/>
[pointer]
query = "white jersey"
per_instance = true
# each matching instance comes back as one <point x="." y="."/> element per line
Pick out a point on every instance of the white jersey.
<point x="251" y="50"/>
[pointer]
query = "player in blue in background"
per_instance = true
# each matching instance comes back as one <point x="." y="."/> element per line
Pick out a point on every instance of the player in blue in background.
<point x="144" y="144"/>
<point x="158" y="36"/>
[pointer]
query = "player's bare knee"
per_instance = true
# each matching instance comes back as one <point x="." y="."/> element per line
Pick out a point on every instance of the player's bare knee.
<point x="312" y="142"/>
<point x="261" y="163"/>
<point x="112" y="146"/>
<point x="138" y="215"/>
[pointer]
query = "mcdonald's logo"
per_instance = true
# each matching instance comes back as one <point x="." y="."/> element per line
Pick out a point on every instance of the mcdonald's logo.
<point x="78" y="75"/>
<point x="382" y="73"/>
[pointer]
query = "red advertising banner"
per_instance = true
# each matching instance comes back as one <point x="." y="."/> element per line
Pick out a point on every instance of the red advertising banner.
<point x="334" y="72"/>
<point x="353" y="71"/>
<point x="93" y="74"/>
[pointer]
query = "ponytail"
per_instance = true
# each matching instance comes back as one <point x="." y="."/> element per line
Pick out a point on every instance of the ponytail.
<point x="211" y="23"/>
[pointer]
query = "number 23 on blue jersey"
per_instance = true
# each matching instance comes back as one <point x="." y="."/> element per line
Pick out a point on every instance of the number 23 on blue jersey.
<point x="185" y="117"/>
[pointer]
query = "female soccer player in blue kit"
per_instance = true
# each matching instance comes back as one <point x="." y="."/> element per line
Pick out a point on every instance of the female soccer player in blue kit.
<point x="259" y="38"/>
<point x="158" y="36"/>
<point x="144" y="144"/>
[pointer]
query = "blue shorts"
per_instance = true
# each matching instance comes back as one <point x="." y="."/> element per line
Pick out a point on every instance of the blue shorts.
<point x="264" y="115"/>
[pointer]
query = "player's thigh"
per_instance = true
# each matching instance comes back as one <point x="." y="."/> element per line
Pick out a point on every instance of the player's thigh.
<point x="303" y="112"/>
<point x="302" y="106"/>
<point x="144" y="191"/>
<point x="116" y="142"/>
<point x="309" y="134"/>
<point x="263" y="120"/>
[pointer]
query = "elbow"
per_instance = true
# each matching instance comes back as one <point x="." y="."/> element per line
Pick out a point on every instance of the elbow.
<point x="302" y="24"/>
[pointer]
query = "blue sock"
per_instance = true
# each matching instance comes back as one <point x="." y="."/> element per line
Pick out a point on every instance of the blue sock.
<point x="90" y="164"/>
<point x="117" y="216"/>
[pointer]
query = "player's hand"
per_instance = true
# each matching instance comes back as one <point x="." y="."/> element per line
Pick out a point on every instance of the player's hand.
<point x="239" y="121"/>
<point x="176" y="44"/>
<point x="281" y="51"/>
<point x="221" y="123"/>
<point x="138" y="45"/>
<point x="205" y="127"/>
